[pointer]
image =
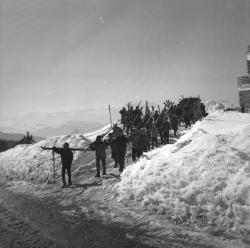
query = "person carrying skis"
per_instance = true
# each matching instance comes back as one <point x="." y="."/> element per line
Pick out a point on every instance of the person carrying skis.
<point x="165" y="127"/>
<point x="142" y="142"/>
<point x="123" y="113"/>
<point x="113" y="148"/>
<point x="67" y="159"/>
<point x="99" y="147"/>
<point x="133" y="139"/>
<point x="154" y="136"/>
<point x="120" y="142"/>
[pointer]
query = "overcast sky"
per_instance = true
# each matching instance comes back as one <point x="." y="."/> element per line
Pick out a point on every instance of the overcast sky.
<point x="62" y="55"/>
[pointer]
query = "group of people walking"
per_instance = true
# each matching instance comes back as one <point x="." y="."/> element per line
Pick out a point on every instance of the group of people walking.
<point x="155" y="123"/>
<point x="142" y="139"/>
<point x="117" y="141"/>
<point x="142" y="131"/>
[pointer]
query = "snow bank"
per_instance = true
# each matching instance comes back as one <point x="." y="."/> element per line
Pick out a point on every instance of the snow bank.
<point x="30" y="162"/>
<point x="203" y="179"/>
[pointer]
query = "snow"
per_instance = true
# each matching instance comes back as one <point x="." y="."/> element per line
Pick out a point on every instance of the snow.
<point x="203" y="179"/>
<point x="31" y="163"/>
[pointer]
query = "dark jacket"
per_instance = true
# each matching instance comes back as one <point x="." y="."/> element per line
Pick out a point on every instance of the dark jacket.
<point x="154" y="132"/>
<point x="99" y="147"/>
<point x="166" y="126"/>
<point x="66" y="156"/>
<point x="174" y="122"/>
<point x="142" y="141"/>
<point x="120" y="142"/>
<point x="133" y="137"/>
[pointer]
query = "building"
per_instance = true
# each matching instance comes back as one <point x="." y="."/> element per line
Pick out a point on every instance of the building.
<point x="28" y="139"/>
<point x="244" y="86"/>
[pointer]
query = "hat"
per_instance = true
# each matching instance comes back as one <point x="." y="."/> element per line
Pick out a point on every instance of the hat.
<point x="66" y="145"/>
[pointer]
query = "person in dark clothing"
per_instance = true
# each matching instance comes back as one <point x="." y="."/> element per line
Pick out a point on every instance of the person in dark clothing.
<point x="133" y="140"/>
<point x="187" y="121"/>
<point x="174" y="124"/>
<point x="154" y="136"/>
<point x="148" y="125"/>
<point x="120" y="141"/>
<point x="142" y="142"/>
<point x="138" y="123"/>
<point x="165" y="130"/>
<point x="67" y="159"/>
<point x="113" y="149"/>
<point x="99" y="147"/>
<point x="123" y="113"/>
<point x="137" y="112"/>
<point x="242" y="108"/>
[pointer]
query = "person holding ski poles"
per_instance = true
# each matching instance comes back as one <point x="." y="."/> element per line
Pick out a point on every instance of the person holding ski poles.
<point x="66" y="159"/>
<point x="120" y="142"/>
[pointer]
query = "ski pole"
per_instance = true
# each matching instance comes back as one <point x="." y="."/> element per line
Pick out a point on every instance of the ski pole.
<point x="110" y="117"/>
<point x="54" y="169"/>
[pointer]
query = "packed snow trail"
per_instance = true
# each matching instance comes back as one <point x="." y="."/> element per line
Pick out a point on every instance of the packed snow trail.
<point x="28" y="221"/>
<point x="55" y="219"/>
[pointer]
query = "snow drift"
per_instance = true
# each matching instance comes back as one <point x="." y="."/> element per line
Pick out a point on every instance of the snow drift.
<point x="203" y="179"/>
<point x="31" y="163"/>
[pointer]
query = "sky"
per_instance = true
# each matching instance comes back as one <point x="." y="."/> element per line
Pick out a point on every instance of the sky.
<point x="58" y="55"/>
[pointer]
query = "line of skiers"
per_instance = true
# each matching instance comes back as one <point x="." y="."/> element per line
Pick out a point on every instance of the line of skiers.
<point x="155" y="123"/>
<point x="141" y="130"/>
<point x="141" y="140"/>
<point x="188" y="110"/>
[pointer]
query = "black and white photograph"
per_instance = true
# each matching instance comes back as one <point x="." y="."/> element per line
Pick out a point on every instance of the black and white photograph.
<point x="124" y="123"/>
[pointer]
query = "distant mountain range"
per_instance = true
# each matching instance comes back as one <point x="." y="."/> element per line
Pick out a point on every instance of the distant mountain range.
<point x="16" y="136"/>
<point x="59" y="123"/>
<point x="72" y="127"/>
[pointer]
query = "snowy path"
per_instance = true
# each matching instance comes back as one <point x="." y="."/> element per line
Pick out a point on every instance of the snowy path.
<point x="55" y="219"/>
<point x="29" y="221"/>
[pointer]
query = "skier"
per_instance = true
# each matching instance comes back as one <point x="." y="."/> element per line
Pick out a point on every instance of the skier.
<point x="67" y="159"/>
<point x="166" y="126"/>
<point x="156" y="115"/>
<point x="174" y="123"/>
<point x="186" y="121"/>
<point x="99" y="147"/>
<point x="133" y="139"/>
<point x="120" y="142"/>
<point x="154" y="135"/>
<point x="113" y="148"/>
<point x="142" y="142"/>
<point x="123" y="113"/>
